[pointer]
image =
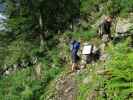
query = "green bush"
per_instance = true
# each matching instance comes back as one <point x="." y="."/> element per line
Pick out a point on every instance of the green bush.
<point x="120" y="86"/>
<point x="84" y="35"/>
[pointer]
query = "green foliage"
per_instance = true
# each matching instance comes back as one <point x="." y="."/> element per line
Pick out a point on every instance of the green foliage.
<point x="86" y="35"/>
<point x="27" y="94"/>
<point x="94" y="8"/>
<point x="14" y="86"/>
<point x="83" y="88"/>
<point x="41" y="15"/>
<point x="90" y="5"/>
<point x="23" y="85"/>
<point x="17" y="50"/>
<point x="87" y="81"/>
<point x="117" y="83"/>
<point x="19" y="24"/>
<point x="120" y="86"/>
<point x="27" y="22"/>
<point x="122" y="7"/>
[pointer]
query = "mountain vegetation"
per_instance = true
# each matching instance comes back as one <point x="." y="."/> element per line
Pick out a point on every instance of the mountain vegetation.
<point x="34" y="49"/>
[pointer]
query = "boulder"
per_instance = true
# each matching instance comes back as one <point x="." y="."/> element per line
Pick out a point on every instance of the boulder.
<point x="123" y="25"/>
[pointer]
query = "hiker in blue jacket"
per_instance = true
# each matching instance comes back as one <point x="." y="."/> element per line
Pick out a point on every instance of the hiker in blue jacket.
<point x="74" y="50"/>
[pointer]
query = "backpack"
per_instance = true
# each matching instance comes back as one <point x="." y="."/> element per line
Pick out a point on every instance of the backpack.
<point x="76" y="46"/>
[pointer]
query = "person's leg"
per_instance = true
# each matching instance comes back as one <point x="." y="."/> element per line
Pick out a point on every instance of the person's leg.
<point x="77" y="62"/>
<point x="107" y="39"/>
<point x="74" y="66"/>
<point x="73" y="62"/>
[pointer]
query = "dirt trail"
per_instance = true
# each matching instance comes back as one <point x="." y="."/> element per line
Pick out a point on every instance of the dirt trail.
<point x="66" y="88"/>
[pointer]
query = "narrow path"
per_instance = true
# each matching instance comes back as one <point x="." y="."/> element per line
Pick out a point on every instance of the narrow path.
<point x="66" y="88"/>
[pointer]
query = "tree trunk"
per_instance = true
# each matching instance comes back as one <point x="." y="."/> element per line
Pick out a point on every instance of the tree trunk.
<point x="41" y="25"/>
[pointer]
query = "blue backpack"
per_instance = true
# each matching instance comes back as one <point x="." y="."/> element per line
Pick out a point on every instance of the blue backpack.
<point x="76" y="46"/>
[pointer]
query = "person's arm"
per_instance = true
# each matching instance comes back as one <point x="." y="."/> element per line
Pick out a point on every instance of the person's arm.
<point x="103" y="28"/>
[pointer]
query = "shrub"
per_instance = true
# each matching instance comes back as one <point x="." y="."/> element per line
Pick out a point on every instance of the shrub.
<point x="120" y="86"/>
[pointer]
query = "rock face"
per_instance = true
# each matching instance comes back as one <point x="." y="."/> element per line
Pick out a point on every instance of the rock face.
<point x="124" y="29"/>
<point x="123" y="25"/>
